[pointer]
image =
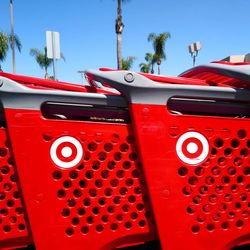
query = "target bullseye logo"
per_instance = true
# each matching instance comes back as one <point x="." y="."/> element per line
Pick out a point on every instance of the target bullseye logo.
<point x="192" y="148"/>
<point x="66" y="152"/>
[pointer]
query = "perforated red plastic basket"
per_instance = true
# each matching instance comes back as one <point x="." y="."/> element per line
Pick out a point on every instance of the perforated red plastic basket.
<point x="14" y="229"/>
<point x="201" y="168"/>
<point x="102" y="197"/>
<point x="160" y="162"/>
<point x="194" y="144"/>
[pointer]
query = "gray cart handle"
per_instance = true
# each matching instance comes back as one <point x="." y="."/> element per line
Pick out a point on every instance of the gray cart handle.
<point x="141" y="90"/>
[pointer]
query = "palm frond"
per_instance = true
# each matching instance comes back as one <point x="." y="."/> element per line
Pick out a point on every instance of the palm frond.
<point x="62" y="57"/>
<point x="159" y="42"/>
<point x="144" y="67"/>
<point x="127" y="63"/>
<point x="151" y="37"/>
<point x="148" y="57"/>
<point x="41" y="57"/>
<point x="4" y="45"/>
<point x="35" y="52"/>
<point x="17" y="42"/>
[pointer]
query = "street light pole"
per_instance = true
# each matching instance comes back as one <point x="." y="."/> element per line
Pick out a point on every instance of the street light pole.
<point x="193" y="50"/>
<point x="12" y="37"/>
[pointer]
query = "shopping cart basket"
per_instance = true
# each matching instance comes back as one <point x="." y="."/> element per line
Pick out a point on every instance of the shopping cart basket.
<point x="166" y="159"/>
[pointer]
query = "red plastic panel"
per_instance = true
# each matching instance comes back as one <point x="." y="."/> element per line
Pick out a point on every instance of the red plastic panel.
<point x="212" y="77"/>
<point x="198" y="175"/>
<point x="13" y="225"/>
<point x="82" y="182"/>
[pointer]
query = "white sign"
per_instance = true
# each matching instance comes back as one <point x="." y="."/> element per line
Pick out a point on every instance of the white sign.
<point x="53" y="45"/>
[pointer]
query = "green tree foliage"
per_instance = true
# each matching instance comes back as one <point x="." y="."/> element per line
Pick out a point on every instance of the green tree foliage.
<point x="159" y="42"/>
<point x="42" y="60"/>
<point x="127" y="63"/>
<point x="5" y="44"/>
<point x="144" y="67"/>
<point x="148" y="66"/>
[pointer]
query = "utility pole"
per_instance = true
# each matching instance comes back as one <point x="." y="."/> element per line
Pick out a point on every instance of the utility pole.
<point x="12" y="37"/>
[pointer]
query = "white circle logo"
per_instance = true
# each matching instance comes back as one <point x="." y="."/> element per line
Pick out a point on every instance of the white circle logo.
<point x="192" y="148"/>
<point x="66" y="152"/>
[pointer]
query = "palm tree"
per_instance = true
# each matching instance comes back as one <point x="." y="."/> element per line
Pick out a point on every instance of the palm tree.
<point x="144" y="67"/>
<point x="159" y="42"/>
<point x="41" y="58"/>
<point x="5" y="42"/>
<point x="127" y="63"/>
<point x="151" y="60"/>
<point x="149" y="65"/>
<point x="43" y="61"/>
<point x="119" y="29"/>
<point x="4" y="46"/>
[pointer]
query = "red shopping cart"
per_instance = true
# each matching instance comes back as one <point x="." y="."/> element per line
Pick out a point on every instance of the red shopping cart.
<point x="165" y="161"/>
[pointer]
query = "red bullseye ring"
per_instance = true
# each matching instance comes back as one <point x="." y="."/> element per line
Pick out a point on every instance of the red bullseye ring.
<point x="66" y="152"/>
<point x="192" y="148"/>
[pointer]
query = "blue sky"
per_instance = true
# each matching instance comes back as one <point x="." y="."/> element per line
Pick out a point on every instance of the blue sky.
<point x="88" y="38"/>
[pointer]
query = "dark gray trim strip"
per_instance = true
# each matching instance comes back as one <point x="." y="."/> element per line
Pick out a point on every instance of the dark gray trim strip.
<point x="16" y="96"/>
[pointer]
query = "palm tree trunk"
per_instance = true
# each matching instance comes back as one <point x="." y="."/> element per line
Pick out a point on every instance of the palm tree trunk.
<point x="159" y="66"/>
<point x="152" y="69"/>
<point x="46" y="76"/>
<point x="119" y="51"/>
<point x="119" y="28"/>
<point x="159" y="69"/>
<point x="12" y="37"/>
